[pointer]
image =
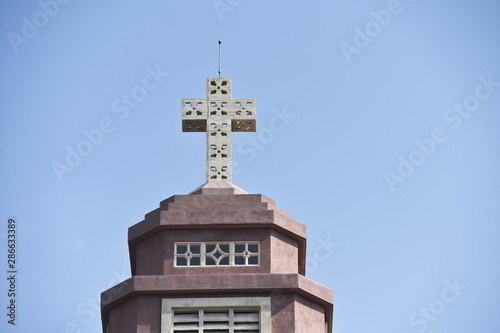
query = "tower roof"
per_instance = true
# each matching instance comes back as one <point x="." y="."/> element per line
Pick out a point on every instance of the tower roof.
<point x="218" y="205"/>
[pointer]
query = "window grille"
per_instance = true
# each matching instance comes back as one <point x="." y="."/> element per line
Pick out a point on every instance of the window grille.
<point x="216" y="315"/>
<point x="245" y="320"/>
<point x="217" y="254"/>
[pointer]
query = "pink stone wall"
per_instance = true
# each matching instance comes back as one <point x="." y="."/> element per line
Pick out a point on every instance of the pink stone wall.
<point x="149" y="256"/>
<point x="149" y="314"/>
<point x="284" y="254"/>
<point x="123" y="318"/>
<point x="309" y="316"/>
<point x="292" y="313"/>
<point x="282" y="312"/>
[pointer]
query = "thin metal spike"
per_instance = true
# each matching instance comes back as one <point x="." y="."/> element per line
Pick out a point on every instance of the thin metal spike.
<point x="220" y="42"/>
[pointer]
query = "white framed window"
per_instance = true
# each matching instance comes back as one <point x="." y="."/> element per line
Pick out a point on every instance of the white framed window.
<point x="217" y="254"/>
<point x="216" y="315"/>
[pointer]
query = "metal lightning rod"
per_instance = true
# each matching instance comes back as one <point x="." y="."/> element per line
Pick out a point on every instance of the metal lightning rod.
<point x="220" y="42"/>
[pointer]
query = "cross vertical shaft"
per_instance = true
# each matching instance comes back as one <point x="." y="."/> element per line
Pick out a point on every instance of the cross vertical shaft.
<point x="218" y="115"/>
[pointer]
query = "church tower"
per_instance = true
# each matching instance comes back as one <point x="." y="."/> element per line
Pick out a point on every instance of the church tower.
<point x="217" y="259"/>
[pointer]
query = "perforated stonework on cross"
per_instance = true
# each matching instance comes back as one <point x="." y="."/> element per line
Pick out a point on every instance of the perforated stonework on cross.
<point x="219" y="115"/>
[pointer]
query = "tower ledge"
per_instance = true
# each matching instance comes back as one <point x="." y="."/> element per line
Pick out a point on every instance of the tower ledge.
<point x="218" y="187"/>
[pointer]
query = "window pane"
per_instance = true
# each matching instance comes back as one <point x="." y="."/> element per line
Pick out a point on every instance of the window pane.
<point x="181" y="261"/>
<point x="210" y="247"/>
<point x="195" y="261"/>
<point x="254" y="248"/>
<point x="224" y="247"/>
<point x="239" y="260"/>
<point x="195" y="249"/>
<point x="239" y="248"/>
<point x="209" y="261"/>
<point x="218" y="254"/>
<point x="224" y="261"/>
<point x="253" y="260"/>
<point x="181" y="249"/>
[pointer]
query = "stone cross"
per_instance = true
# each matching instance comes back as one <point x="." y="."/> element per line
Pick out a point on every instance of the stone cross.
<point x="219" y="115"/>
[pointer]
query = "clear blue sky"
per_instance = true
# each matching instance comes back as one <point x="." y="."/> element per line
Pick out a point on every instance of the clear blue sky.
<point x="389" y="150"/>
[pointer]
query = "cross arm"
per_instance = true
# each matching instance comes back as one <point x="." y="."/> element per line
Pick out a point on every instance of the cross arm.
<point x="242" y="114"/>
<point x="194" y="115"/>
